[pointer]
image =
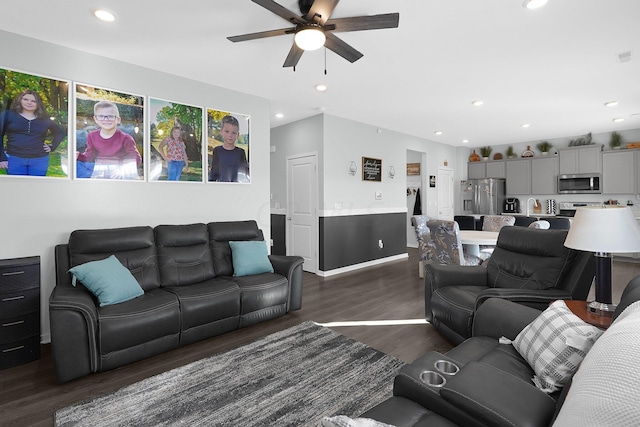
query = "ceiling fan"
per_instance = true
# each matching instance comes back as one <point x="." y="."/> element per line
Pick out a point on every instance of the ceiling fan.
<point x="315" y="24"/>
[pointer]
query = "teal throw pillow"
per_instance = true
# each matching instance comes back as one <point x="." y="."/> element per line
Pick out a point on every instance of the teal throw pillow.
<point x="250" y="257"/>
<point x="108" y="280"/>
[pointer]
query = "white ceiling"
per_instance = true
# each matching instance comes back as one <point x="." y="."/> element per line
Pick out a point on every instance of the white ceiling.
<point x="553" y="67"/>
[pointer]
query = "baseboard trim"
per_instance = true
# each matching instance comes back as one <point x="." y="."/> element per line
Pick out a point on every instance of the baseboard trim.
<point x="362" y="265"/>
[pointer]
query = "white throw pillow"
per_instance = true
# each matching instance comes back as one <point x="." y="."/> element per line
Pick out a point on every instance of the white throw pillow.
<point x="554" y="344"/>
<point x="606" y="389"/>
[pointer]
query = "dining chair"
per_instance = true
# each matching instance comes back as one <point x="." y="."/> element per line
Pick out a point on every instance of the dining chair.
<point x="447" y="248"/>
<point x="423" y="236"/>
<point x="494" y="223"/>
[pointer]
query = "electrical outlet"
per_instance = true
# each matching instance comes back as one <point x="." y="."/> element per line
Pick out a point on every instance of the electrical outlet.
<point x="378" y="195"/>
<point x="380" y="244"/>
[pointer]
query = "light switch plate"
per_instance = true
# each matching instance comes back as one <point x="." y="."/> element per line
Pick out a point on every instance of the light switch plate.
<point x="378" y="195"/>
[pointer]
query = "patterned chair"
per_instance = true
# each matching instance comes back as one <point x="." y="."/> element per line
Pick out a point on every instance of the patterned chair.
<point x="494" y="223"/>
<point x="445" y="237"/>
<point x="423" y="236"/>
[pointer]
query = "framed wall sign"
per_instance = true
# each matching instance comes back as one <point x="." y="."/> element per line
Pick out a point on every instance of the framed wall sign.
<point x="371" y="169"/>
<point x="413" y="169"/>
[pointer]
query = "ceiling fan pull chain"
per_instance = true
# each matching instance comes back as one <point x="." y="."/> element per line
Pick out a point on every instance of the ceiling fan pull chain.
<point x="325" y="61"/>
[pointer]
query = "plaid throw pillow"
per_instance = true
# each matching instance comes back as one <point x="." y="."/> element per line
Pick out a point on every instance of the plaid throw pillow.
<point x="554" y="344"/>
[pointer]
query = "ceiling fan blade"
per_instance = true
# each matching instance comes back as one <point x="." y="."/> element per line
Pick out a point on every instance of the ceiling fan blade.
<point x="359" y="23"/>
<point x="261" y="35"/>
<point x="293" y="57"/>
<point x="321" y="11"/>
<point x="281" y="11"/>
<point x="342" y="48"/>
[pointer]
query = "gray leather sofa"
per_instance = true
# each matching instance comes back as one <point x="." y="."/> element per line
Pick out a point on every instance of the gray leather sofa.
<point x="493" y="386"/>
<point x="190" y="293"/>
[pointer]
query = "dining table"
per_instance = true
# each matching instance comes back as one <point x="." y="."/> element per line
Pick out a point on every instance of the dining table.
<point x="472" y="239"/>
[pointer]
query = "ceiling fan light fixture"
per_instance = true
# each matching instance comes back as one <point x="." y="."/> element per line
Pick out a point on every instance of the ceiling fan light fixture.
<point x="310" y="37"/>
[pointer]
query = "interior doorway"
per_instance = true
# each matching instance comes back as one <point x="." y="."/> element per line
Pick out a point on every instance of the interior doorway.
<point x="416" y="190"/>
<point x="302" y="209"/>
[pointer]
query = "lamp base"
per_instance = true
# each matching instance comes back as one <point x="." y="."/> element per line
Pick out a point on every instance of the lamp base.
<point x="601" y="308"/>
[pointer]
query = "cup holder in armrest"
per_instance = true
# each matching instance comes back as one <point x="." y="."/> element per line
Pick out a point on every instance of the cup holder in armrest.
<point x="433" y="378"/>
<point x="446" y="367"/>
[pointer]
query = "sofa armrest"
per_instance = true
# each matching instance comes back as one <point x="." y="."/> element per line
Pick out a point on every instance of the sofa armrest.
<point x="291" y="268"/>
<point x="73" y="317"/>
<point x="497" y="398"/>
<point x="502" y="318"/>
<point x="535" y="298"/>
<point x="438" y="276"/>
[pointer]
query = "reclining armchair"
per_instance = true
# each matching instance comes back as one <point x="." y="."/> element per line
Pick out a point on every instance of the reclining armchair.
<point x="528" y="266"/>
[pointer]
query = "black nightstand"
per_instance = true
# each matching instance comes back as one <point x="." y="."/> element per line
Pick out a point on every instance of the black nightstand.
<point x="19" y="311"/>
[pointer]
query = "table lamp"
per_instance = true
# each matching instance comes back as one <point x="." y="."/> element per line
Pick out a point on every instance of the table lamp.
<point x="604" y="230"/>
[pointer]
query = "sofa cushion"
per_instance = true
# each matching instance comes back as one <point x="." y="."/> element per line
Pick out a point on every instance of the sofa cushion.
<point x="108" y="280"/>
<point x="554" y="344"/>
<point x="220" y="233"/>
<point x="207" y="309"/>
<point x="606" y="388"/>
<point x="151" y="317"/>
<point x="133" y="246"/>
<point x="184" y="255"/>
<point x="250" y="257"/>
<point x="542" y="259"/>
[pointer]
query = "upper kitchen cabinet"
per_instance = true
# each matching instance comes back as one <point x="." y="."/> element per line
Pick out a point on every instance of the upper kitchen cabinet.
<point x="619" y="172"/>
<point x="481" y="170"/>
<point x="476" y="170"/>
<point x="544" y="175"/>
<point x="580" y="159"/>
<point x="518" y="176"/>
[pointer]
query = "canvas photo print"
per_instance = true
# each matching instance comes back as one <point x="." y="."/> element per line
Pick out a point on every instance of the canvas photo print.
<point x="109" y="134"/>
<point x="227" y="147"/>
<point x="176" y="148"/>
<point x="34" y="122"/>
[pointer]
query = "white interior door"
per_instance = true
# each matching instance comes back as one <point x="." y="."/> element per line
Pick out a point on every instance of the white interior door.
<point x="445" y="194"/>
<point x="302" y="204"/>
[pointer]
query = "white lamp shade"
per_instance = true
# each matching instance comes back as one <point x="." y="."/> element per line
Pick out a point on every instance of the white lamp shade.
<point x="310" y="38"/>
<point x="604" y="229"/>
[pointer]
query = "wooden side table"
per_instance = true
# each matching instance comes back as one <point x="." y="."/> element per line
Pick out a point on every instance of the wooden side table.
<point x="579" y="308"/>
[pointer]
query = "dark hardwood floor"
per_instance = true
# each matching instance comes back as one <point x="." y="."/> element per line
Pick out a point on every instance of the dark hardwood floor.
<point x="30" y="394"/>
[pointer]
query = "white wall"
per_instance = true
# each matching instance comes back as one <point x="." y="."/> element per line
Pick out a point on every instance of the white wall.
<point x="38" y="213"/>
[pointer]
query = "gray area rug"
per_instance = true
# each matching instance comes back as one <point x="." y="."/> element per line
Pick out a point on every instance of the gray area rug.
<point x="290" y="378"/>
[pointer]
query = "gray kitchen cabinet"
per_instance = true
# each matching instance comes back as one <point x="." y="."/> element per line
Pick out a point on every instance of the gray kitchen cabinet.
<point x="580" y="159"/>
<point x="518" y="174"/>
<point x="544" y="175"/>
<point x="496" y="169"/>
<point x="619" y="172"/>
<point x="476" y="170"/>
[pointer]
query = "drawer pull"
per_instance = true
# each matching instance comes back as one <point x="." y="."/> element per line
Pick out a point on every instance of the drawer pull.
<point x="7" y="350"/>
<point x="13" y="298"/>
<point x="19" y="322"/>
<point x="13" y="273"/>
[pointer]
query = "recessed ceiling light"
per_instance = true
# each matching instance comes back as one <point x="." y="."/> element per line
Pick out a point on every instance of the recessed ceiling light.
<point x="611" y="104"/>
<point x="477" y="103"/>
<point x="534" y="4"/>
<point x="438" y="132"/>
<point x="618" y="119"/>
<point x="279" y="115"/>
<point x="104" y="15"/>
<point x="525" y="125"/>
<point x="321" y="87"/>
<point x="465" y="141"/>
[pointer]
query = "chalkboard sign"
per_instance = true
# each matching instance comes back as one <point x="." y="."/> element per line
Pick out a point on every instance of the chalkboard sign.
<point x="371" y="169"/>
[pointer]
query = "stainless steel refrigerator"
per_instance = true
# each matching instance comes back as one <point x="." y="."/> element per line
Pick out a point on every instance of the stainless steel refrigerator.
<point x="483" y="196"/>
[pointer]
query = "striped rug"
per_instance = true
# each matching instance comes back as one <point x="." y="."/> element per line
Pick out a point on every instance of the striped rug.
<point x="291" y="378"/>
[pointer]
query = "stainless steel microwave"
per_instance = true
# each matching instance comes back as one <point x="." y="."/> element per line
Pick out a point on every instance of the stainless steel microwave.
<point x="580" y="183"/>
